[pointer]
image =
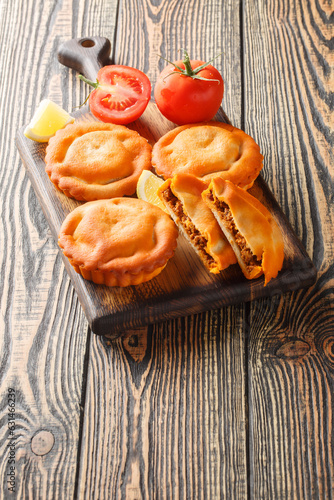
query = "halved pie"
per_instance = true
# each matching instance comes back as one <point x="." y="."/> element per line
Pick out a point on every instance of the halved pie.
<point x="208" y="150"/>
<point x="94" y="160"/>
<point x="182" y="197"/>
<point x="118" y="242"/>
<point x="249" y="227"/>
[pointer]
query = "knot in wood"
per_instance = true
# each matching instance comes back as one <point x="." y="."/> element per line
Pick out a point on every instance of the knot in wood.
<point x="293" y="349"/>
<point x="42" y="442"/>
<point x="328" y="350"/>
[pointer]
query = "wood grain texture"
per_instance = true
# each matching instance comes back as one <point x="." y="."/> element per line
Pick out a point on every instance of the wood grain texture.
<point x="166" y="411"/>
<point x="43" y="332"/>
<point x="234" y="403"/>
<point x="166" y="407"/>
<point x="289" y="109"/>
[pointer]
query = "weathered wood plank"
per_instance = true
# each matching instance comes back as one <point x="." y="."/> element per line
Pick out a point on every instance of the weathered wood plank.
<point x="43" y="332"/>
<point x="289" y="109"/>
<point x="166" y="408"/>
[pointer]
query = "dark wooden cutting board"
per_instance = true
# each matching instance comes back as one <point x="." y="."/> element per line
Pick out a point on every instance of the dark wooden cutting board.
<point x="184" y="287"/>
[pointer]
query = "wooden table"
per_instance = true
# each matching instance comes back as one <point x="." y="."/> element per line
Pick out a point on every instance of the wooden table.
<point x="234" y="403"/>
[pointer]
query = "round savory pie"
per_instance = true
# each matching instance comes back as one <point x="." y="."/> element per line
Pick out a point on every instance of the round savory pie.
<point x="208" y="150"/>
<point x="94" y="160"/>
<point x="118" y="242"/>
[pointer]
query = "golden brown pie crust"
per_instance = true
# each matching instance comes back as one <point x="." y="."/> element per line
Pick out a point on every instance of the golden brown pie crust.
<point x="208" y="150"/>
<point x="118" y="242"/>
<point x="248" y="226"/>
<point x="182" y="198"/>
<point x="94" y="160"/>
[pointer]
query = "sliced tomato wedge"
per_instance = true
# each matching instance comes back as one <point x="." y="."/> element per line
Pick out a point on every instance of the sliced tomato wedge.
<point x="121" y="94"/>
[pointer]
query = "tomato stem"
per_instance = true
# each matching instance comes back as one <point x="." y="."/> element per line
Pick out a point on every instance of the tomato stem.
<point x="90" y="82"/>
<point x="199" y="68"/>
<point x="189" y="71"/>
<point x="186" y="62"/>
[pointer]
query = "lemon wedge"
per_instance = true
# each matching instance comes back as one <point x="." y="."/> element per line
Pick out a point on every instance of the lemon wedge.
<point x="147" y="187"/>
<point x="48" y="118"/>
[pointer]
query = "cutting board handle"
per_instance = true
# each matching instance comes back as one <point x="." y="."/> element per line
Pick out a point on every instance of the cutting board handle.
<point x="85" y="55"/>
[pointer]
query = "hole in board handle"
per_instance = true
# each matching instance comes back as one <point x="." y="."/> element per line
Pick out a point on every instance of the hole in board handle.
<point x="86" y="42"/>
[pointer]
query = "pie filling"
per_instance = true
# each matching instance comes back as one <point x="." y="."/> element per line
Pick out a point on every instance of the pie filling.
<point x="197" y="239"/>
<point x="250" y="260"/>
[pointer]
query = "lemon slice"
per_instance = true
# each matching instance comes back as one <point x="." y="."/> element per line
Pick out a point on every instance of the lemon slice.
<point x="147" y="187"/>
<point x="48" y="118"/>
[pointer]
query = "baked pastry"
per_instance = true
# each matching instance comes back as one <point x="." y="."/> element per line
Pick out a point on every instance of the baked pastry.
<point x="118" y="242"/>
<point x="94" y="160"/>
<point x="250" y="228"/>
<point x="182" y="198"/>
<point x="208" y="150"/>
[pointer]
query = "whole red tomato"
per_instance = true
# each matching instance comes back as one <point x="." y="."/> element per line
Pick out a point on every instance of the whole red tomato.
<point x="121" y="94"/>
<point x="189" y="91"/>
